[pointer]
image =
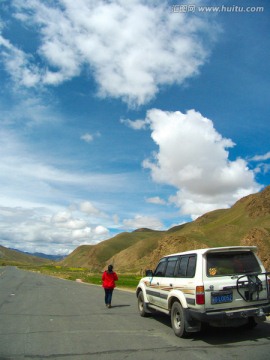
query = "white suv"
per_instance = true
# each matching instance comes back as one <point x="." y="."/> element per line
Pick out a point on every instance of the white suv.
<point x="225" y="286"/>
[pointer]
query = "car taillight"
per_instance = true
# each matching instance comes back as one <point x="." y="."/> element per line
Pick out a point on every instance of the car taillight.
<point x="200" y="299"/>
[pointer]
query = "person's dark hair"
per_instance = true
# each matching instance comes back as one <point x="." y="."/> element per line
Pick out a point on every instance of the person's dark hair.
<point x="110" y="268"/>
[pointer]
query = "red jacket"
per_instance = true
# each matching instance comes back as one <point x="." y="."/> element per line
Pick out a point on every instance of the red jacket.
<point x="108" y="280"/>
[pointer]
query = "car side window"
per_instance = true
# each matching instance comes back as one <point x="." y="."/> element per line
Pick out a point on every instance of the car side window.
<point x="171" y="267"/>
<point x="160" y="270"/>
<point x="182" y="268"/>
<point x="186" y="266"/>
<point x="191" y="266"/>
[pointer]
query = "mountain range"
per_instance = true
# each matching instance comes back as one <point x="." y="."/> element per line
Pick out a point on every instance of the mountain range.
<point x="247" y="222"/>
<point x="12" y="256"/>
<point x="42" y="255"/>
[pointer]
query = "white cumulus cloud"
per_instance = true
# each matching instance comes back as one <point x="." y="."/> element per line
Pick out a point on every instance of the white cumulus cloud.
<point x="37" y="230"/>
<point x="88" y="208"/>
<point x="132" y="48"/>
<point x="101" y="230"/>
<point x="194" y="158"/>
<point x="143" y="221"/>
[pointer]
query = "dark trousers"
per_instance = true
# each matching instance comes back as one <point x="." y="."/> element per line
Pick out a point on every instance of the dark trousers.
<point x="108" y="296"/>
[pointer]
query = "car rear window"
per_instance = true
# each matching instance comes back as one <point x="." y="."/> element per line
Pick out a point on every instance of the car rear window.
<point x="229" y="263"/>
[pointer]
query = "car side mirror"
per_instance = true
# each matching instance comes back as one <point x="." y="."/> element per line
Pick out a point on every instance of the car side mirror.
<point x="149" y="273"/>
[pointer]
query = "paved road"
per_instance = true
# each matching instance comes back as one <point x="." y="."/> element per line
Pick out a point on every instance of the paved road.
<point x="48" y="318"/>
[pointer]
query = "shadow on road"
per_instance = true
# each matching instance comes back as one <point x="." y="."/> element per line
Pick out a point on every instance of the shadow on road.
<point x="224" y="336"/>
<point x="116" y="306"/>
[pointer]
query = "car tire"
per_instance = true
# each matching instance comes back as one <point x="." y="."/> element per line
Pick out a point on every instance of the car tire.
<point x="178" y="320"/>
<point x="141" y="305"/>
<point x="251" y="324"/>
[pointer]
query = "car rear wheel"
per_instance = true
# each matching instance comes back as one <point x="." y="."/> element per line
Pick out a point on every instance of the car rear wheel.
<point x="178" y="320"/>
<point x="250" y="324"/>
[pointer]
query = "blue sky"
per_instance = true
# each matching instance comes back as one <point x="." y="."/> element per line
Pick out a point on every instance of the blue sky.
<point x="117" y="115"/>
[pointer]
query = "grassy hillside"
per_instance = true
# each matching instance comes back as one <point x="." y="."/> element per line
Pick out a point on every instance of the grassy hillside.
<point x="245" y="223"/>
<point x="114" y="250"/>
<point x="13" y="257"/>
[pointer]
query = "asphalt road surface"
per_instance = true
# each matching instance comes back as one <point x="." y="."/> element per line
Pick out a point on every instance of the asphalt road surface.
<point x="48" y="318"/>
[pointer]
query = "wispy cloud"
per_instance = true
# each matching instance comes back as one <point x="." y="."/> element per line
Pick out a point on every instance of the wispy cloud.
<point x="87" y="137"/>
<point x="134" y="124"/>
<point x="19" y="65"/>
<point x="47" y="207"/>
<point x="263" y="157"/>
<point x="156" y="200"/>
<point x="35" y="180"/>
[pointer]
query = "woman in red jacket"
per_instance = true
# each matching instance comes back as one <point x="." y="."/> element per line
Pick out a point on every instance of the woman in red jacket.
<point x="108" y="282"/>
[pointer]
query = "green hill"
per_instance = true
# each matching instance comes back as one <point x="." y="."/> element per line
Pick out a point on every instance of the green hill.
<point x="95" y="257"/>
<point x="245" y="223"/>
<point x="13" y="257"/>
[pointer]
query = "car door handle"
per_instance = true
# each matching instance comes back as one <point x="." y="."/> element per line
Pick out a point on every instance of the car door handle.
<point x="171" y="285"/>
<point x="157" y="283"/>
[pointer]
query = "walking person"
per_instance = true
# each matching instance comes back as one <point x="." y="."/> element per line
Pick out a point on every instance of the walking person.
<point x="108" y="282"/>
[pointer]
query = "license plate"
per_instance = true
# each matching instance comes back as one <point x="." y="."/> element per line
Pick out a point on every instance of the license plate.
<point x="221" y="297"/>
